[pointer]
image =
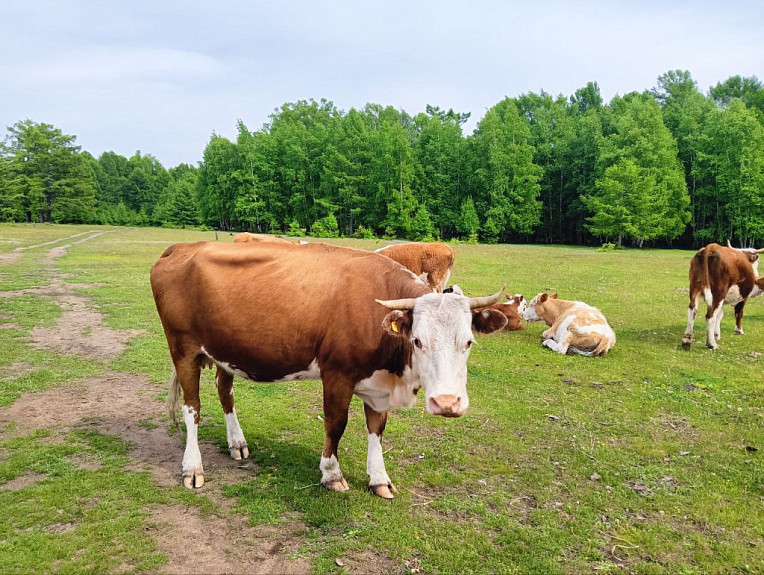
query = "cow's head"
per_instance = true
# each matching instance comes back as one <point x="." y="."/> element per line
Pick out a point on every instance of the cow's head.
<point x="438" y="327"/>
<point x="750" y="253"/>
<point x="519" y="301"/>
<point x="535" y="309"/>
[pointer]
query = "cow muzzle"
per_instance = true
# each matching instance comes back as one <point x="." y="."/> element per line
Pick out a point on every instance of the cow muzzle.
<point x="447" y="406"/>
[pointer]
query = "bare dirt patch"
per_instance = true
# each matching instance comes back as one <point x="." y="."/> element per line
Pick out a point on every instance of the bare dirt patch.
<point x="230" y="545"/>
<point x="81" y="329"/>
<point x="116" y="403"/>
<point x="26" y="480"/>
<point x="16" y="370"/>
<point x="15" y="255"/>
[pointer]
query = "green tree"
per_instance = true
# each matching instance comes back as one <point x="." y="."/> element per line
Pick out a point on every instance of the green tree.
<point x="439" y="155"/>
<point x="749" y="90"/>
<point x="505" y="176"/>
<point x="685" y="111"/>
<point x="47" y="178"/>
<point x="216" y="186"/>
<point x="642" y="165"/>
<point x="468" y="223"/>
<point x="730" y="166"/>
<point x="391" y="172"/>
<point x="552" y="130"/>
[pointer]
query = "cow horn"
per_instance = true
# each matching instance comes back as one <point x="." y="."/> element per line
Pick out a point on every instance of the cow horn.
<point x="759" y="251"/>
<point x="485" y="301"/>
<point x="729" y="245"/>
<point x="399" y="304"/>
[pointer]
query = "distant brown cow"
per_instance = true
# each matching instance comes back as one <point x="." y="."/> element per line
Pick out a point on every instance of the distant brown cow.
<point x="721" y="275"/>
<point x="247" y="238"/>
<point x="433" y="260"/>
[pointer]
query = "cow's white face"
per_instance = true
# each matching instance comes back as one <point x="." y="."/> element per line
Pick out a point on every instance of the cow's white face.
<point x="439" y="329"/>
<point x="529" y="314"/>
<point x="441" y="336"/>
<point x="522" y="305"/>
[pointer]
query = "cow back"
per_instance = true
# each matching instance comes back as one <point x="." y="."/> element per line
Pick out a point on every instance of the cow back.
<point x="271" y="309"/>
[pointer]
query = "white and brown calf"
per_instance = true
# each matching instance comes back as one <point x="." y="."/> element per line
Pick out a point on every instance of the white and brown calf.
<point x="513" y="309"/>
<point x="575" y="327"/>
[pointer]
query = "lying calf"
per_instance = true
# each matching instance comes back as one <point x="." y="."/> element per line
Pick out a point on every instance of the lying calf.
<point x="513" y="310"/>
<point x="575" y="327"/>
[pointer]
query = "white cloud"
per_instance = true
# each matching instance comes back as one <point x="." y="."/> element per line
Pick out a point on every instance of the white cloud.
<point x="162" y="76"/>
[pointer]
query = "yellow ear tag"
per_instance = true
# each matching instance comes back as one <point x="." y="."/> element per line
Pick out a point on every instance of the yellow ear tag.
<point x="394" y="326"/>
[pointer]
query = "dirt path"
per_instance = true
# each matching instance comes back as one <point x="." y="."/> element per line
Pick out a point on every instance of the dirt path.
<point x="125" y="405"/>
<point x="15" y="255"/>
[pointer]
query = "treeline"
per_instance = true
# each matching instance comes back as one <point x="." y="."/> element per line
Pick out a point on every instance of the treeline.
<point x="667" y="166"/>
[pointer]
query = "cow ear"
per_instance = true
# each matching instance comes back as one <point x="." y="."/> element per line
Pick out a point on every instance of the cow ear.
<point x="488" y="321"/>
<point x="398" y="323"/>
<point x="753" y="258"/>
<point x="542" y="298"/>
<point x="553" y="296"/>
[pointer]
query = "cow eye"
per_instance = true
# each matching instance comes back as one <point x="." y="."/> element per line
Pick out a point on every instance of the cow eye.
<point x="469" y="344"/>
<point x="418" y="342"/>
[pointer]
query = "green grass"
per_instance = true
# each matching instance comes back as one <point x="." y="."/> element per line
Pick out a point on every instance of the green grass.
<point x="649" y="458"/>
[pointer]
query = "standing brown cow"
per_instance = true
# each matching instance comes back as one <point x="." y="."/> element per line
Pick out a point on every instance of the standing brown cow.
<point x="370" y="329"/>
<point x="721" y="275"/>
<point x="433" y="260"/>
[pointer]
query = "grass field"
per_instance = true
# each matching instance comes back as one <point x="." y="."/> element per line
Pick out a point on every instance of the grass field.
<point x="648" y="460"/>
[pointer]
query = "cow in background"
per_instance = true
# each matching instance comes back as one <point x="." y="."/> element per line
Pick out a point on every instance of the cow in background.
<point x="431" y="261"/>
<point x="513" y="310"/>
<point x="721" y="275"/>
<point x="755" y="263"/>
<point x="575" y="327"/>
<point x="248" y="238"/>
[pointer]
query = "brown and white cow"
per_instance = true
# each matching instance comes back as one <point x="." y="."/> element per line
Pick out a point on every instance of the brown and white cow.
<point x="431" y="260"/>
<point x="370" y="328"/>
<point x="575" y="327"/>
<point x="721" y="275"/>
<point x="249" y="238"/>
<point x="513" y="309"/>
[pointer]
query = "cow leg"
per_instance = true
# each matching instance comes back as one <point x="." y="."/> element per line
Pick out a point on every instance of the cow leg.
<point x="562" y="341"/>
<point x="559" y="347"/>
<point x="712" y="316"/>
<point x="237" y="445"/>
<point x="379" y="481"/>
<point x="718" y="326"/>
<point x="188" y="372"/>
<point x="739" y="318"/>
<point x="691" y="313"/>
<point x="338" y="392"/>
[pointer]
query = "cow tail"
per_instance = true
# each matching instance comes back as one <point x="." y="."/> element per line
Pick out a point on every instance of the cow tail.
<point x="602" y="347"/>
<point x="173" y="398"/>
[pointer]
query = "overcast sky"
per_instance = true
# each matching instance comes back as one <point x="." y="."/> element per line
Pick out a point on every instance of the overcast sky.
<point x="162" y="76"/>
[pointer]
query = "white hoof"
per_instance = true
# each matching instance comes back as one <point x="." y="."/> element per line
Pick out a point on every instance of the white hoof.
<point x="239" y="452"/>
<point x="385" y="491"/>
<point x="337" y="485"/>
<point x="194" y="480"/>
